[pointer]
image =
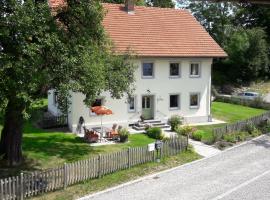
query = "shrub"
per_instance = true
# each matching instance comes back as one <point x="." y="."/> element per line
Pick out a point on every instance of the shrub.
<point x="185" y="130"/>
<point x="208" y="138"/>
<point x="197" y="135"/>
<point x="123" y="134"/>
<point x="250" y="127"/>
<point x="242" y="136"/>
<point x="230" y="138"/>
<point x="256" y="132"/>
<point x="175" y="121"/>
<point x="155" y="133"/>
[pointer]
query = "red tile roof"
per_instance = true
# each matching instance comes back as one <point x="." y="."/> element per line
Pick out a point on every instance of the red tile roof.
<point x="159" y="32"/>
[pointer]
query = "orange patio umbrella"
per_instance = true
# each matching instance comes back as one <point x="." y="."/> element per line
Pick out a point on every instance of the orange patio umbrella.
<point x="101" y="110"/>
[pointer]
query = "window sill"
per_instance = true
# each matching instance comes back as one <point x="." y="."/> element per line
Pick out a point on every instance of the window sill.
<point x="174" y="77"/>
<point x="193" y="107"/>
<point x="194" y="76"/>
<point x="147" y="77"/>
<point x="174" y="108"/>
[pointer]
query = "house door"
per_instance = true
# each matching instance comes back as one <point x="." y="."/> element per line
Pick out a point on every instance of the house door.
<point x="147" y="107"/>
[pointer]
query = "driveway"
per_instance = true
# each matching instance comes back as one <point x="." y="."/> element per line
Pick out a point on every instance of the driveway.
<point x="241" y="173"/>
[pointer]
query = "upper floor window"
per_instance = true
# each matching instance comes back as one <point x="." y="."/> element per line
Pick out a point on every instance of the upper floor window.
<point x="194" y="100"/>
<point x="174" y="70"/>
<point x="174" y="101"/>
<point x="131" y="104"/>
<point x="148" y="70"/>
<point x="194" y="70"/>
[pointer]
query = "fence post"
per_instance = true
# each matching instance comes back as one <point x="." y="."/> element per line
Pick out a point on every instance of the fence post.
<point x="128" y="151"/>
<point x="21" y="187"/>
<point x="99" y="166"/>
<point x="65" y="175"/>
<point x="187" y="144"/>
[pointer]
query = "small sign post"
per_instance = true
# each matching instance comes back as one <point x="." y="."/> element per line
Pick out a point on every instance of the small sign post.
<point x="151" y="147"/>
<point x="158" y="145"/>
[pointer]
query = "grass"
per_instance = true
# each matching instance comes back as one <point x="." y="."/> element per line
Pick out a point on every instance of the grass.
<point x="119" y="177"/>
<point x="46" y="149"/>
<point x="229" y="113"/>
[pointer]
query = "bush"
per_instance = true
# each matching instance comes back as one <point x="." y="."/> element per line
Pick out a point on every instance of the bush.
<point x="155" y="133"/>
<point x="250" y="127"/>
<point x="185" y="130"/>
<point x="123" y="134"/>
<point x="230" y="138"/>
<point x="208" y="138"/>
<point x="175" y="121"/>
<point x="242" y="136"/>
<point x="256" y="132"/>
<point x="197" y="135"/>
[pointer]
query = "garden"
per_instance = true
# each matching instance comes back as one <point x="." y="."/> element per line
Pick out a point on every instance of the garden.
<point x="230" y="113"/>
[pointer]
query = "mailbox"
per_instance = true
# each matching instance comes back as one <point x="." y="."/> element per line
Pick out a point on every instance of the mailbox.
<point x="158" y="144"/>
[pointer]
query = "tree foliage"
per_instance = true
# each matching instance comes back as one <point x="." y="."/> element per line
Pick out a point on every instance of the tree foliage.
<point x="152" y="3"/>
<point x="243" y="31"/>
<point x="68" y="51"/>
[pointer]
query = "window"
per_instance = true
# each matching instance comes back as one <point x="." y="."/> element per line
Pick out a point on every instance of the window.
<point x="174" y="101"/>
<point x="131" y="104"/>
<point x="148" y="70"/>
<point x="55" y="98"/>
<point x="174" y="70"/>
<point x="194" y="100"/>
<point x="194" y="70"/>
<point x="97" y="102"/>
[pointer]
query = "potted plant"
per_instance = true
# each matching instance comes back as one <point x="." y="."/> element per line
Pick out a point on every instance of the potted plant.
<point x="123" y="134"/>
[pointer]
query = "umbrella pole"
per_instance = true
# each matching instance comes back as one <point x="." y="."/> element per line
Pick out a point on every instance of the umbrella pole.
<point x="101" y="129"/>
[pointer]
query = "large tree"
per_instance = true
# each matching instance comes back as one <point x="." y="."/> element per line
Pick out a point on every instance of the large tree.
<point x="67" y="51"/>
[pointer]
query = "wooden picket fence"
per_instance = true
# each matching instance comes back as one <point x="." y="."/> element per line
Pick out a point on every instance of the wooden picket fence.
<point x="39" y="182"/>
<point x="54" y="121"/>
<point x="240" y="125"/>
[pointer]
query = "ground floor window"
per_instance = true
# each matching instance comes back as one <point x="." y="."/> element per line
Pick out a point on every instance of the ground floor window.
<point x="97" y="102"/>
<point x="194" y="100"/>
<point x="55" y="98"/>
<point x="174" y="101"/>
<point x="131" y="104"/>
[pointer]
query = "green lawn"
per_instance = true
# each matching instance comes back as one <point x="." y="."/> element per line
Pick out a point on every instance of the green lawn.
<point x="229" y="113"/>
<point x="232" y="113"/>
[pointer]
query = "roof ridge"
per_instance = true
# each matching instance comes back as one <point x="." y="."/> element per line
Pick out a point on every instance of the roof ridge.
<point x="149" y="7"/>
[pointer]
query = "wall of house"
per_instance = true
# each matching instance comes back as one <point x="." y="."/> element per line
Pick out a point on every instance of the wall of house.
<point x="160" y="86"/>
<point x="52" y="106"/>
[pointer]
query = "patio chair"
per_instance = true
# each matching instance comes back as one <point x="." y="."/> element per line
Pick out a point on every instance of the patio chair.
<point x="90" y="135"/>
<point x="113" y="133"/>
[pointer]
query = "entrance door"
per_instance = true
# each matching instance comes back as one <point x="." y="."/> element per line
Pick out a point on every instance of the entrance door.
<point x="147" y="107"/>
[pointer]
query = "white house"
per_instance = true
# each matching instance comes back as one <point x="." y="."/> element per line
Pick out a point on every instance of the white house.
<point x="174" y="61"/>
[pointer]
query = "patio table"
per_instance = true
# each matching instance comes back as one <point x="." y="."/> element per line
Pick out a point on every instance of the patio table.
<point x="101" y="131"/>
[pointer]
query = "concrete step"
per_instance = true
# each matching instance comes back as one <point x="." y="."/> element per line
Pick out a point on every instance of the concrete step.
<point x="160" y="125"/>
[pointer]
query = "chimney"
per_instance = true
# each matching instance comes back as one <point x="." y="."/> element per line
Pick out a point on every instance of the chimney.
<point x="129" y="6"/>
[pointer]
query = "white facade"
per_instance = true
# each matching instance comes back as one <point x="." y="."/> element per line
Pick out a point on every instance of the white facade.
<point x="158" y="89"/>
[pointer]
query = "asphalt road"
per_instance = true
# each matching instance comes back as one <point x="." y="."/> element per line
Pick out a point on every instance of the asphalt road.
<point x="241" y="173"/>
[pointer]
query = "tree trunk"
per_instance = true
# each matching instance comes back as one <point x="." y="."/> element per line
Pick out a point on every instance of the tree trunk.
<point x="11" y="137"/>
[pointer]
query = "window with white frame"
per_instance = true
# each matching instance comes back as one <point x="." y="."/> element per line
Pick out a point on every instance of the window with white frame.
<point x="174" y="70"/>
<point x="194" y="70"/>
<point x="148" y="70"/>
<point x="55" y="98"/>
<point x="131" y="104"/>
<point x="174" y="101"/>
<point x="97" y="102"/>
<point x="194" y="100"/>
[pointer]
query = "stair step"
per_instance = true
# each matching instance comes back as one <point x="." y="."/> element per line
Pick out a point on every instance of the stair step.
<point x="162" y="126"/>
<point x="150" y="121"/>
